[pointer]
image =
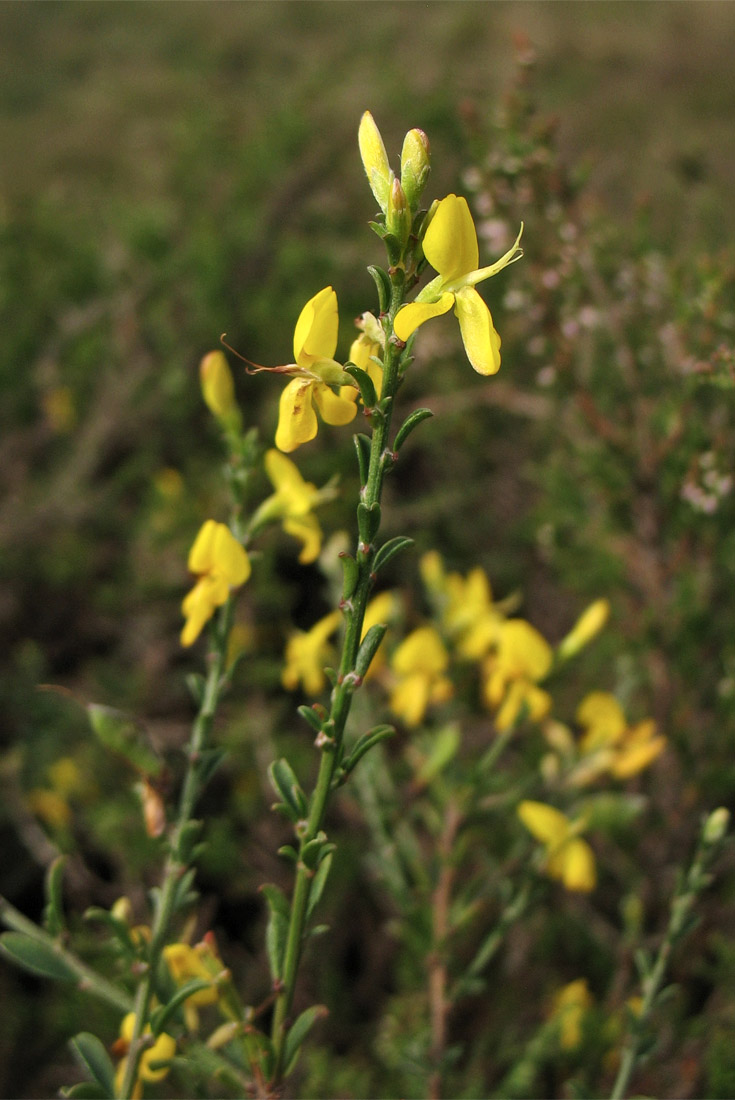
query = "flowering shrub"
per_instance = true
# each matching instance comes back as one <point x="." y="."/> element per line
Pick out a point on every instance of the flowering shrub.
<point x="504" y="785"/>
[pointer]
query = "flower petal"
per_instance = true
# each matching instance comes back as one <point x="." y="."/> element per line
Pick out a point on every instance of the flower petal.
<point x="201" y="558"/>
<point x="547" y="824"/>
<point x="336" y="408"/>
<point x="315" y="335"/>
<point x="231" y="562"/>
<point x="297" y="421"/>
<point x="450" y="244"/>
<point x="409" y="317"/>
<point x="481" y="341"/>
<point x="307" y="529"/>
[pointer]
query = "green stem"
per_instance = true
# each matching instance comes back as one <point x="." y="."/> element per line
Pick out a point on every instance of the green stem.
<point x="682" y="904"/>
<point x="370" y="494"/>
<point x="176" y="863"/>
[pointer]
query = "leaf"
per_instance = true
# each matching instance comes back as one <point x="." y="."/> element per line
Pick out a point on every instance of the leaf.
<point x="444" y="748"/>
<point x="208" y="762"/>
<point x="389" y="550"/>
<point x="310" y="715"/>
<point x="382" y="285"/>
<point x="363" y="745"/>
<point x="85" y="1090"/>
<point x="53" y="913"/>
<point x="362" y="446"/>
<point x="319" y="882"/>
<point x="126" y="737"/>
<point x="365" y="383"/>
<point x="369" y="647"/>
<point x="276" y="932"/>
<point x="368" y="521"/>
<point x="36" y="956"/>
<point x="298" y="1031"/>
<point x="286" y="785"/>
<point x="92" y="1056"/>
<point x="412" y="421"/>
<point x="163" y="1014"/>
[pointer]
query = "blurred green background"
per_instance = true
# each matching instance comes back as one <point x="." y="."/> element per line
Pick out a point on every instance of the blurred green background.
<point x="171" y="171"/>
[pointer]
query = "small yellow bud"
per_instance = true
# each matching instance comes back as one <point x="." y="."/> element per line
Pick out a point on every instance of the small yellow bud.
<point x="398" y="217"/>
<point x="218" y="389"/>
<point x="375" y="160"/>
<point x="415" y="165"/>
<point x="716" y="825"/>
<point x="589" y="623"/>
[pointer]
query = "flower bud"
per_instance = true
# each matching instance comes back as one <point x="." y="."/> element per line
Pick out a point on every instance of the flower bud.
<point x="218" y="389"/>
<point x="415" y="165"/>
<point x="375" y="160"/>
<point x="398" y="217"/>
<point x="589" y="623"/>
<point x="716" y="825"/>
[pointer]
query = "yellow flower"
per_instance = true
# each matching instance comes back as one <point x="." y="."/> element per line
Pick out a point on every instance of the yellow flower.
<point x="316" y="370"/>
<point x="611" y="743"/>
<point x="568" y="858"/>
<point x="307" y="652"/>
<point x="185" y="963"/>
<point x="162" y="1050"/>
<point x="568" y="1009"/>
<point x="468" y="614"/>
<point x="450" y="246"/>
<point x="419" y="664"/>
<point x="292" y="504"/>
<point x="221" y="564"/>
<point x="589" y="623"/>
<point x="522" y="658"/>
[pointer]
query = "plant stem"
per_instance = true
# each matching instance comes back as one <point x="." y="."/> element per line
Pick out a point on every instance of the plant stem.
<point x="370" y="495"/>
<point x="683" y="902"/>
<point x="439" y="1004"/>
<point x="177" y="861"/>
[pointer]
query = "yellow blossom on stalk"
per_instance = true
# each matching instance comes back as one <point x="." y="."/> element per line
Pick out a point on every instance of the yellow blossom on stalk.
<point x="521" y="658"/>
<point x="419" y="664"/>
<point x="221" y="564"/>
<point x="292" y="504"/>
<point x="162" y="1050"/>
<point x="569" y="1006"/>
<point x="316" y="371"/>
<point x="450" y="246"/>
<point x="307" y="652"/>
<point x="621" y="749"/>
<point x="468" y="615"/>
<point x="589" y="623"/>
<point x="568" y="858"/>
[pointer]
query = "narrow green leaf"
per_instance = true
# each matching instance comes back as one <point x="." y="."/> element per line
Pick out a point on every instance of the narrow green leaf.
<point x="298" y="1031"/>
<point x="35" y="956"/>
<point x="85" y="1090"/>
<point x="163" y="1014"/>
<point x="196" y="685"/>
<point x="90" y="1052"/>
<point x="369" y="647"/>
<point x="444" y="748"/>
<point x="310" y="853"/>
<point x="363" y="745"/>
<point x="362" y="446"/>
<point x="286" y="785"/>
<point x="310" y="715"/>
<point x="351" y="575"/>
<point x="412" y="421"/>
<point x="126" y="737"/>
<point x="389" y="550"/>
<point x="381" y="279"/>
<point x="276" y="932"/>
<point x="318" y="882"/>
<point x="365" y="383"/>
<point x="53" y="913"/>
<point x="208" y="762"/>
<point x="368" y="521"/>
